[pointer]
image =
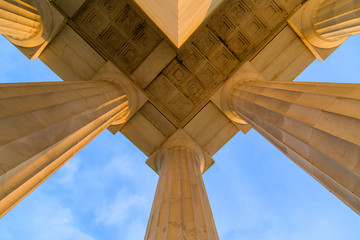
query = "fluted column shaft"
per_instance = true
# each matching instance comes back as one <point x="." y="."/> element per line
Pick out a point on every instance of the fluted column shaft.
<point x="19" y="19"/>
<point x="317" y="125"/>
<point x="181" y="209"/>
<point x="44" y="124"/>
<point x="334" y="19"/>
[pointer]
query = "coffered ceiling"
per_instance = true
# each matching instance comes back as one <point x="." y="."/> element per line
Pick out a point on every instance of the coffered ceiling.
<point x="178" y="81"/>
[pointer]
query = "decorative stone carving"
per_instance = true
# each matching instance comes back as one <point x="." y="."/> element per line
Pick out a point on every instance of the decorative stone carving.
<point x="120" y="31"/>
<point x="214" y="51"/>
<point x="241" y="24"/>
<point x="170" y="97"/>
<point x="203" y="61"/>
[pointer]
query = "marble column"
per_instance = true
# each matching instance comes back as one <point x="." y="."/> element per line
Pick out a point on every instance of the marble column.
<point x="22" y="23"/>
<point x="44" y="124"/>
<point x="181" y="209"/>
<point x="328" y="23"/>
<point x="317" y="125"/>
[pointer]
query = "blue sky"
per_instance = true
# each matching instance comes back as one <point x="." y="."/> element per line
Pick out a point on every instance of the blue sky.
<point x="256" y="192"/>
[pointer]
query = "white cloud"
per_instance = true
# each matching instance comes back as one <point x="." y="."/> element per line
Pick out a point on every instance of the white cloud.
<point x="44" y="218"/>
<point x="123" y="207"/>
<point x="67" y="175"/>
<point x="119" y="167"/>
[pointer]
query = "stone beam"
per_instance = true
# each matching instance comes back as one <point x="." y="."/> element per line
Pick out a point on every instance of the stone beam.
<point x="44" y="124"/>
<point x="314" y="124"/>
<point x="181" y="209"/>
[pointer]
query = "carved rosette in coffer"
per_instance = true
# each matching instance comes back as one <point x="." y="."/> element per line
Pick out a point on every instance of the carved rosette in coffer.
<point x="210" y="55"/>
<point x="120" y="31"/>
<point x="230" y="36"/>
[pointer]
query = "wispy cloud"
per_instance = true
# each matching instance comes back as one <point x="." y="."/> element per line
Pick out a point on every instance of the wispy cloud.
<point x="125" y="206"/>
<point x="44" y="218"/>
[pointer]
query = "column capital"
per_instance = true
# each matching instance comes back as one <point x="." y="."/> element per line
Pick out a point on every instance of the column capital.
<point x="309" y="20"/>
<point x="30" y="24"/>
<point x="323" y="25"/>
<point x="110" y="73"/>
<point x="182" y="140"/>
<point x="245" y="73"/>
<point x="30" y="15"/>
